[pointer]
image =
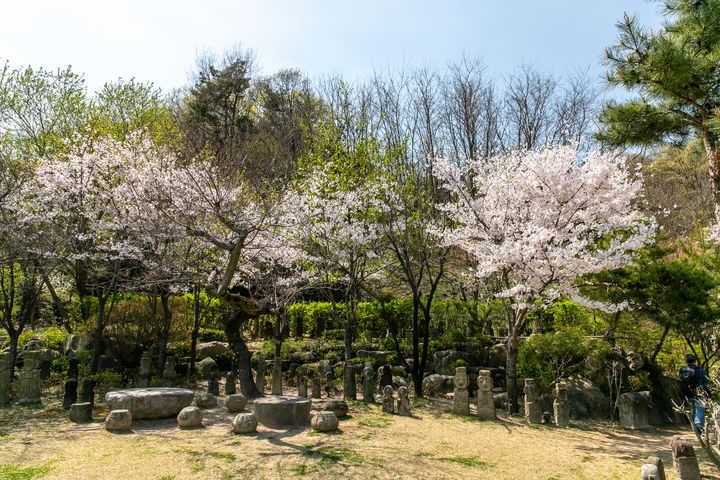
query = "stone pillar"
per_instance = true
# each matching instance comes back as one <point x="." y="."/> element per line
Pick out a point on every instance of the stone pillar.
<point x="403" y="402"/>
<point x="533" y="408"/>
<point x="214" y="383"/>
<point x="145" y="370"/>
<point x="4" y="379"/>
<point x="485" y="400"/>
<point x="560" y="406"/>
<point x="30" y="379"/>
<point x="302" y="387"/>
<point x="73" y="368"/>
<point x="385" y="376"/>
<point x="653" y="469"/>
<point x="260" y="374"/>
<point x="230" y="386"/>
<point x="169" y="373"/>
<point x="368" y="380"/>
<point x="388" y="404"/>
<point x="329" y="377"/>
<point x="686" y="464"/>
<point x="316" y="392"/>
<point x="633" y="407"/>
<point x="277" y="376"/>
<point x="87" y="395"/>
<point x="70" y="393"/>
<point x="461" y="397"/>
<point x="349" y="388"/>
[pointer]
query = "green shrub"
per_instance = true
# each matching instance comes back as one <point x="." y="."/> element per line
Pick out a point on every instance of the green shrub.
<point x="337" y="334"/>
<point x="211" y="335"/>
<point x="338" y="372"/>
<point x="461" y="363"/>
<point x="387" y="344"/>
<point x="639" y="382"/>
<point x="548" y="356"/>
<point x="60" y="365"/>
<point x="224" y="361"/>
<point x="393" y="359"/>
<point x="106" y="381"/>
<point x="399" y="372"/>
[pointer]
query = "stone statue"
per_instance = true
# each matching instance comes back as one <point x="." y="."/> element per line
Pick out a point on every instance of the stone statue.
<point x="560" y="406"/>
<point x="385" y="376"/>
<point x="145" y="370"/>
<point x="260" y="374"/>
<point x="533" y="408"/>
<point x="461" y="398"/>
<point x="277" y="376"/>
<point x="70" y="396"/>
<point x="30" y="379"/>
<point x="388" y="404"/>
<point x="368" y="380"/>
<point x="302" y="387"/>
<point x="403" y="402"/>
<point x="316" y="392"/>
<point x="485" y="400"/>
<point x="169" y="374"/>
<point x="230" y="383"/>
<point x="349" y="388"/>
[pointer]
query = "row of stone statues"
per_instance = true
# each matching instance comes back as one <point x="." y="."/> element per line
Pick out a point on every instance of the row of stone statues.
<point x="533" y="408"/>
<point x="461" y="395"/>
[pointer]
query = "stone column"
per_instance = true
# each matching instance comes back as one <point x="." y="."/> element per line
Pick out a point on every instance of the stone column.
<point x="214" y="383"/>
<point x="368" y="380"/>
<point x="385" y="376"/>
<point x="87" y="395"/>
<point x="30" y="379"/>
<point x="277" y="376"/>
<point x="403" y="402"/>
<point x="349" y="388"/>
<point x="316" y="391"/>
<point x="169" y="374"/>
<point x="388" y="403"/>
<point x="230" y="386"/>
<point x="653" y="469"/>
<point x="560" y="406"/>
<point x="633" y="407"/>
<point x="461" y="398"/>
<point x="302" y="387"/>
<point x="686" y="464"/>
<point x="70" y="393"/>
<point x="4" y="379"/>
<point x="485" y="400"/>
<point x="329" y="377"/>
<point x="145" y="370"/>
<point x="533" y="408"/>
<point x="260" y="374"/>
<point x="73" y="368"/>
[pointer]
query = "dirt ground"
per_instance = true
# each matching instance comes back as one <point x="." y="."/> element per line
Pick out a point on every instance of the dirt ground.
<point x="432" y="444"/>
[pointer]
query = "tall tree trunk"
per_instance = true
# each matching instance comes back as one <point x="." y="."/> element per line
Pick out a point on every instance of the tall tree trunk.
<point x="511" y="370"/>
<point x="97" y="334"/>
<point x="195" y="330"/>
<point x="14" y="337"/>
<point x="233" y="324"/>
<point x="659" y="345"/>
<point x="713" y="157"/>
<point x="416" y="374"/>
<point x="165" y="331"/>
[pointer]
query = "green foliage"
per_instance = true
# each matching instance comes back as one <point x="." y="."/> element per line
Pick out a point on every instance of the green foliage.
<point x="224" y="361"/>
<point x="338" y="372"/>
<point x="548" y="356"/>
<point x="639" y="382"/>
<point x="106" y="381"/>
<point x="338" y="334"/>
<point x="387" y="344"/>
<point x="461" y="363"/>
<point x="20" y="472"/>
<point x="393" y="359"/>
<point x="60" y="365"/>
<point x="50" y="337"/>
<point x="211" y="335"/>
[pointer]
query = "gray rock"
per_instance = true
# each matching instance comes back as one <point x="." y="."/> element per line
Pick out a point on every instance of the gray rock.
<point x="236" y="402"/>
<point x="190" y="417"/>
<point x="207" y="367"/>
<point x="205" y="400"/>
<point x="435" y="384"/>
<point x="633" y="407"/>
<point x="586" y="400"/>
<point x="72" y="343"/>
<point x="209" y="349"/>
<point x="280" y="411"/>
<point x="118" y="420"/>
<point x="659" y="466"/>
<point x="444" y="361"/>
<point x="324" y="422"/>
<point x="497" y="356"/>
<point x="245" y="422"/>
<point x="150" y="402"/>
<point x="338" y="407"/>
<point x="399" y="381"/>
<point x="80" y="412"/>
<point x="649" y="472"/>
<point x="686" y="464"/>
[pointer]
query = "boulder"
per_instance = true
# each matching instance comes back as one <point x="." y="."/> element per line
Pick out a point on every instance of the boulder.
<point x="444" y="361"/>
<point x="435" y="384"/>
<point x="236" y="402"/>
<point x="118" y="420"/>
<point x="72" y="343"/>
<point x="209" y="349"/>
<point x="158" y="402"/>
<point x="586" y="400"/>
<point x="379" y="355"/>
<point x="399" y="381"/>
<point x="497" y="355"/>
<point x="337" y="407"/>
<point x="48" y="355"/>
<point x="190" y="417"/>
<point x="245" y="422"/>
<point x="633" y="407"/>
<point x="207" y="367"/>
<point x="205" y="400"/>
<point x="324" y="422"/>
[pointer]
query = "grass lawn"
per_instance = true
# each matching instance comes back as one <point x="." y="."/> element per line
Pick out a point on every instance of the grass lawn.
<point x="432" y="444"/>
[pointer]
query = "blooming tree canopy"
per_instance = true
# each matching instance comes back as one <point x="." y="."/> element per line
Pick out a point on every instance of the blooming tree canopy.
<point x="537" y="220"/>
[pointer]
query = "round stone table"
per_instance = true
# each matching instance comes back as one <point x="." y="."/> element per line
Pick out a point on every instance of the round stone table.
<point x="277" y="411"/>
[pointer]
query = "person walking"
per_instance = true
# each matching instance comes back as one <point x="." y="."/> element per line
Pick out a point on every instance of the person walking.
<point x="693" y="383"/>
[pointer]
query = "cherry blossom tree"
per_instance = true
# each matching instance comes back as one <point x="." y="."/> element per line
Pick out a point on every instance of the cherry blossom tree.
<point x="537" y="220"/>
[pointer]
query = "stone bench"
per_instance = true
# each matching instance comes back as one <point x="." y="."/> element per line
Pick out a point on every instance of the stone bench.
<point x="279" y="411"/>
<point x="158" y="402"/>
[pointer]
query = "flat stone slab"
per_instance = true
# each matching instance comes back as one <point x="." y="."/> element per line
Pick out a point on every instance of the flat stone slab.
<point x="278" y="411"/>
<point x="158" y="402"/>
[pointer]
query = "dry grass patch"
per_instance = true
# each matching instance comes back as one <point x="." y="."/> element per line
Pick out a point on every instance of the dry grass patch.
<point x="431" y="444"/>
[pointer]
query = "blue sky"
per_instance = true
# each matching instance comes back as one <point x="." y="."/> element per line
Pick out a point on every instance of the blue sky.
<point x="157" y="40"/>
